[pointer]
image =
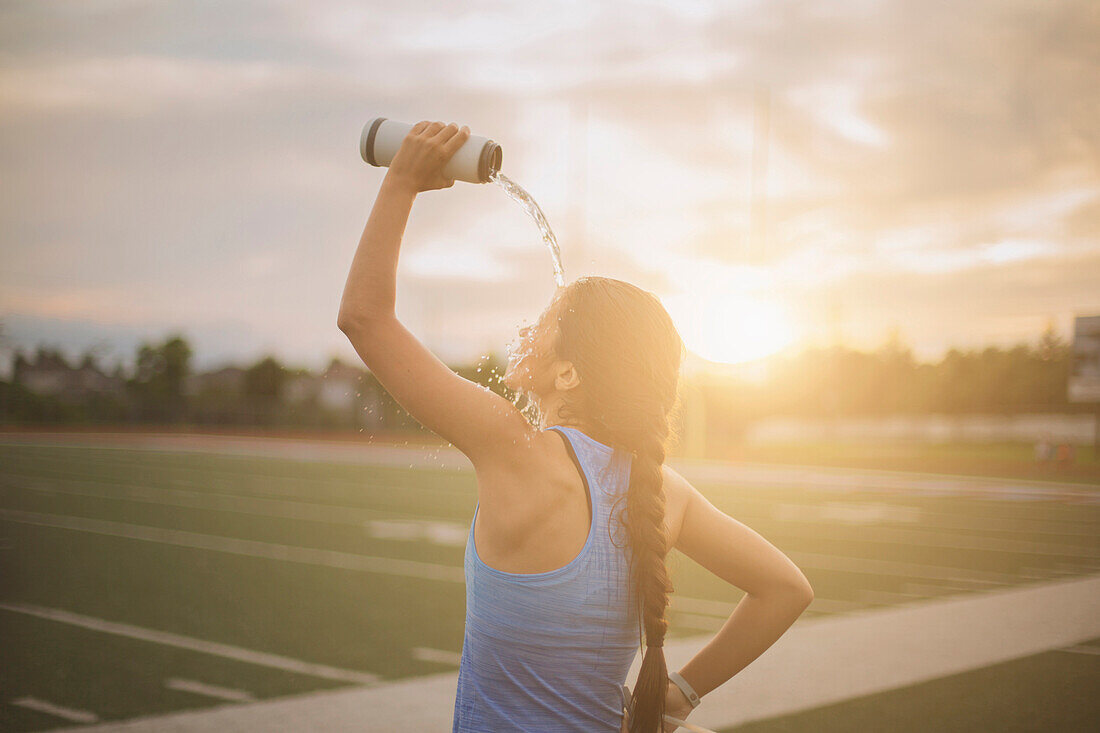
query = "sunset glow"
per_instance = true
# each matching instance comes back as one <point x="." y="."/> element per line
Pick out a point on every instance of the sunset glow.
<point x="730" y="328"/>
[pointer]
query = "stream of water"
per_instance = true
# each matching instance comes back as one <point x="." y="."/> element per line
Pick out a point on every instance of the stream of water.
<point x="518" y="194"/>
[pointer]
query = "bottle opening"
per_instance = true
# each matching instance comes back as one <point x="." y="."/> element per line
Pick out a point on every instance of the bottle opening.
<point x="491" y="158"/>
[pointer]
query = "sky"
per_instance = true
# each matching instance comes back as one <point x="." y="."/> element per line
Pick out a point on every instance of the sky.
<point x="780" y="173"/>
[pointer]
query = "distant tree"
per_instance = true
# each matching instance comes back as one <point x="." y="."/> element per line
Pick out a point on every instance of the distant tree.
<point x="263" y="390"/>
<point x="1051" y="346"/>
<point x="264" y="380"/>
<point x="159" y="375"/>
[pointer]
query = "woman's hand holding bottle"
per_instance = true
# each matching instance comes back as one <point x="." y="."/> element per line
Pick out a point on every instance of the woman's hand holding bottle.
<point x="424" y="153"/>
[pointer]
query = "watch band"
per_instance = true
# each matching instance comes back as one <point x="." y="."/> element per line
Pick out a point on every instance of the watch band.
<point x="689" y="693"/>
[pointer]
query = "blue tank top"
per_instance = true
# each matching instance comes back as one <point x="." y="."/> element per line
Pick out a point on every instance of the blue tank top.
<point x="550" y="651"/>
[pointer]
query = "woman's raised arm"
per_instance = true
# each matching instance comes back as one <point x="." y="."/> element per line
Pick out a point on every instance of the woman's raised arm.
<point x="480" y="423"/>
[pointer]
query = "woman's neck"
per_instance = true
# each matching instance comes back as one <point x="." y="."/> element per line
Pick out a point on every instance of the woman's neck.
<point x="550" y="414"/>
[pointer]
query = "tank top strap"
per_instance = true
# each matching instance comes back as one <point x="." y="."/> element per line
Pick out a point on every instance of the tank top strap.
<point x="605" y="469"/>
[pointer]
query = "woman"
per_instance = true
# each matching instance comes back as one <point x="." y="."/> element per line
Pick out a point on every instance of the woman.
<point x="565" y="562"/>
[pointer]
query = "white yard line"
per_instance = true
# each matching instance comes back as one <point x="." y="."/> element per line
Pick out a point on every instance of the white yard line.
<point x="235" y="445"/>
<point x="759" y="475"/>
<point x="1081" y="649"/>
<point x="434" y="571"/>
<point x="263" y="506"/>
<point x="441" y="656"/>
<point x="818" y="662"/>
<point x="699" y="609"/>
<point x="69" y="714"/>
<point x="703" y="606"/>
<point x="202" y="646"/>
<point x="266" y="506"/>
<point x="215" y="691"/>
<point x="251" y="506"/>
<point x="248" y="548"/>
<point x="697" y="621"/>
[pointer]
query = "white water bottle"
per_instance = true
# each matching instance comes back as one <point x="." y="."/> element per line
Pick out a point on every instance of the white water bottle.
<point x="474" y="161"/>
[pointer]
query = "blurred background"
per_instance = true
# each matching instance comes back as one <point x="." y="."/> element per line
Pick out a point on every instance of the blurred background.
<point x="876" y="224"/>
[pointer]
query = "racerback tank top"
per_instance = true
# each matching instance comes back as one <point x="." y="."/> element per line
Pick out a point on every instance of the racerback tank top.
<point x="550" y="651"/>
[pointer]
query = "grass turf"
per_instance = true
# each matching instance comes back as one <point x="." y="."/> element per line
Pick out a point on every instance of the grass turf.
<point x="858" y="549"/>
<point x="1052" y="691"/>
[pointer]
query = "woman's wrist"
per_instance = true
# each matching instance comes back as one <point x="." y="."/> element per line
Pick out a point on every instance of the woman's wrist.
<point x="399" y="185"/>
<point x="685" y="688"/>
<point x="678" y="694"/>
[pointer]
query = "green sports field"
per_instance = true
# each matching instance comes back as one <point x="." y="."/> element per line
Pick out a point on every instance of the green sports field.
<point x="140" y="581"/>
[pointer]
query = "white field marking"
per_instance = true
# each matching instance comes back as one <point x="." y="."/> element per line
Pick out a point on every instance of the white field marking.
<point x="702" y="605"/>
<point x="248" y="505"/>
<point x="829" y="605"/>
<point x="167" y="638"/>
<point x="356" y="453"/>
<point x="1081" y="649"/>
<point x="819" y="661"/>
<point x="850" y="480"/>
<point x="442" y="656"/>
<point x="866" y="513"/>
<point x="453" y="534"/>
<point x="75" y="716"/>
<point x="887" y="598"/>
<point x="432" y="571"/>
<point x="695" y="621"/>
<point x="875" y="566"/>
<point x="186" y="476"/>
<point x="938" y="521"/>
<point x="760" y="475"/>
<point x="448" y="534"/>
<point x="685" y="606"/>
<point x="250" y="471"/>
<point x="825" y="660"/>
<point x="692" y="727"/>
<point x="215" y="691"/>
<point x="248" y="548"/>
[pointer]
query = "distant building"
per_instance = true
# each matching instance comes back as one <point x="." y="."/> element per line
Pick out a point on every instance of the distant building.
<point x="301" y="388"/>
<point x="225" y="381"/>
<point x="340" y="386"/>
<point x="49" y="374"/>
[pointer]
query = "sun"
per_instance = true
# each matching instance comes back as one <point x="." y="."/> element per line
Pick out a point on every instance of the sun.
<point x="730" y="328"/>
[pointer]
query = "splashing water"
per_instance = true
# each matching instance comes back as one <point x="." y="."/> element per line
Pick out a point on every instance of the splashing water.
<point x="516" y="193"/>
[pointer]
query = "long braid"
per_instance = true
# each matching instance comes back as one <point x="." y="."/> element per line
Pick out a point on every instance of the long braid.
<point x="628" y="355"/>
<point x="649" y="544"/>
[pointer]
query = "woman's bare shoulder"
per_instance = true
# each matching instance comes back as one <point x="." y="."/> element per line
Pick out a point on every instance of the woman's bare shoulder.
<point x="534" y="481"/>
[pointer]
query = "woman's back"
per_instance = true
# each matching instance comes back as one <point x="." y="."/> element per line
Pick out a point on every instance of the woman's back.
<point x="549" y="651"/>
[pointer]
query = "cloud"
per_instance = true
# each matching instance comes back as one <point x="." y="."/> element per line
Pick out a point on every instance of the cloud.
<point x="190" y="162"/>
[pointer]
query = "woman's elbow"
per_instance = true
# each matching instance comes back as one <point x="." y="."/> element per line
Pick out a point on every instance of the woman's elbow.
<point x="348" y="322"/>
<point x="354" y="322"/>
<point x="802" y="592"/>
<point x="807" y="594"/>
<point x="796" y="591"/>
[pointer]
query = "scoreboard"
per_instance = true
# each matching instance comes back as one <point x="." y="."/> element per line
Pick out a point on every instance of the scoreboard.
<point x="1084" y="375"/>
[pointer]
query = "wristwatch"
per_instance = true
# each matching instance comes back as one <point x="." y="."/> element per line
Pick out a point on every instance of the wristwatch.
<point x="677" y="679"/>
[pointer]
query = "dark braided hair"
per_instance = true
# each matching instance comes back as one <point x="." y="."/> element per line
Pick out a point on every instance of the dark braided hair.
<point x="627" y="353"/>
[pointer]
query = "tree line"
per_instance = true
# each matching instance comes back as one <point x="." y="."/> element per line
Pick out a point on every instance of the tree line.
<point x="163" y="387"/>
